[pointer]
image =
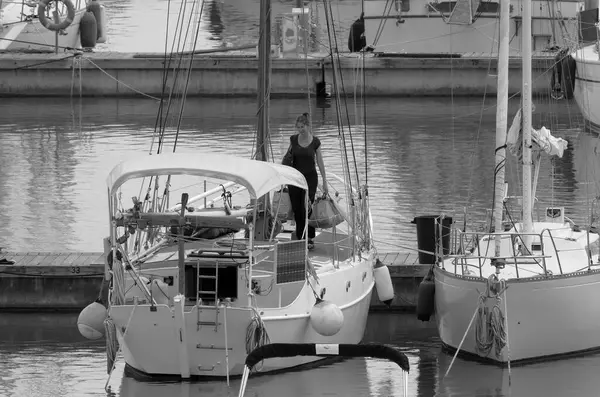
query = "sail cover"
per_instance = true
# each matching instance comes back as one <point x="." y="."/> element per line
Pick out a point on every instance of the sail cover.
<point x="542" y="138"/>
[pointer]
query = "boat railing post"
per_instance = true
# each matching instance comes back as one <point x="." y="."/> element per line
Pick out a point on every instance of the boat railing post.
<point x="353" y="216"/>
<point x="514" y="254"/>
<point x="479" y="255"/>
<point x="555" y="250"/>
<point x="543" y="249"/>
<point x="251" y="258"/>
<point x="587" y="249"/>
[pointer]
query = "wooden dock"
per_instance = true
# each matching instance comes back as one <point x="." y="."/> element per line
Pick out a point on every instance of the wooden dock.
<point x="69" y="281"/>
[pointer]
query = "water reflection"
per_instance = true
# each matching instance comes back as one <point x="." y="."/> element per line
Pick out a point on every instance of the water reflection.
<point x="53" y="174"/>
<point x="575" y="377"/>
<point x="212" y="16"/>
<point x="44" y="356"/>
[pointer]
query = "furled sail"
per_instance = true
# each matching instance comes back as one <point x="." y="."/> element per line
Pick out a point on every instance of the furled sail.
<point x="542" y="139"/>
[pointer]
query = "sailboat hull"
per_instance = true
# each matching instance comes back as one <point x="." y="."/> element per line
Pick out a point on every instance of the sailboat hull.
<point x="31" y="36"/>
<point x="587" y="83"/>
<point x="546" y="317"/>
<point x="151" y="345"/>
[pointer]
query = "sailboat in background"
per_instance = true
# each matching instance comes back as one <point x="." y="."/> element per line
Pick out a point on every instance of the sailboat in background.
<point x="581" y="67"/>
<point x="193" y="290"/>
<point x="524" y="290"/>
<point x="29" y="26"/>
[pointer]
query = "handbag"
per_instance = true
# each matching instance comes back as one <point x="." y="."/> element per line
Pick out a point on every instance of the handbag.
<point x="282" y="205"/>
<point x="325" y="213"/>
<point x="288" y="158"/>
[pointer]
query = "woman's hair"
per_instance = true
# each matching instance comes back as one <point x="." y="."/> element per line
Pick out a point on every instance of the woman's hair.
<point x="303" y="118"/>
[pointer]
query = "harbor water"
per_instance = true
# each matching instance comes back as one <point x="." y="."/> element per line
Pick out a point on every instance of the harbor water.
<point x="424" y="156"/>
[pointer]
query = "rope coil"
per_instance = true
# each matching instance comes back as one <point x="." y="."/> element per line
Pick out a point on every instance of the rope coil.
<point x="490" y="325"/>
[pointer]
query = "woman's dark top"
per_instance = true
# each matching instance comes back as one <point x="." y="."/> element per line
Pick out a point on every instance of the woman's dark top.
<point x="304" y="157"/>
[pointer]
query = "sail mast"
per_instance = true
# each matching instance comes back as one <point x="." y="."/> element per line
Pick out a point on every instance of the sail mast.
<point x="526" y="98"/>
<point x="501" y="120"/>
<point x="264" y="77"/>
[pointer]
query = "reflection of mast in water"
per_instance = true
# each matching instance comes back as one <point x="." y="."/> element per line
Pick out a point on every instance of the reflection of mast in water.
<point x="212" y="15"/>
<point x="51" y="159"/>
<point x="586" y="161"/>
<point x="386" y="378"/>
<point x="427" y="374"/>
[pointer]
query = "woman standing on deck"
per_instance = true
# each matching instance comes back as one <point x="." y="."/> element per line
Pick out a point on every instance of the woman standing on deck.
<point x="304" y="154"/>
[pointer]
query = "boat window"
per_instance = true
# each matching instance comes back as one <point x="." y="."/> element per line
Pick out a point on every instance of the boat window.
<point x="484" y="7"/>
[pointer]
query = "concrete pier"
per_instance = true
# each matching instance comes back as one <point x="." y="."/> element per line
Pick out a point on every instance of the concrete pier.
<point x="44" y="281"/>
<point x="130" y="74"/>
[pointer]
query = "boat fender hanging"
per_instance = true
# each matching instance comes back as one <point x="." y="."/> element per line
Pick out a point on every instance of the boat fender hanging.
<point x="383" y="283"/>
<point x="426" y="297"/>
<point x="326" y="318"/>
<point x="568" y="69"/>
<point x="99" y="12"/>
<point x="91" y="321"/>
<point x="50" y="24"/>
<point x="563" y="74"/>
<point x="88" y="30"/>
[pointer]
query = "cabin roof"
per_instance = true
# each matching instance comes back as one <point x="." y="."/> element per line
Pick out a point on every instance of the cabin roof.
<point x="259" y="177"/>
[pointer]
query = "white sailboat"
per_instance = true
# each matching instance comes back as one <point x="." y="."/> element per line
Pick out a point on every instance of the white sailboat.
<point x="194" y="305"/>
<point x="21" y="29"/>
<point x="465" y="27"/>
<point x="582" y="67"/>
<point x="528" y="290"/>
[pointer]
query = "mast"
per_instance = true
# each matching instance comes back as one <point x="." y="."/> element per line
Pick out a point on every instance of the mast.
<point x="264" y="77"/>
<point x="261" y="224"/>
<point x="501" y="120"/>
<point x="526" y="93"/>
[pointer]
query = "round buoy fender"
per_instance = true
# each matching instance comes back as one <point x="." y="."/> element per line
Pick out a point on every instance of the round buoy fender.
<point x="426" y="297"/>
<point x="326" y="318"/>
<point x="51" y="25"/>
<point x="91" y="321"/>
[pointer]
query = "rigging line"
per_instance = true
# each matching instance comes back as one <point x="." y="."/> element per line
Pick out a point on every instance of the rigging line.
<point x="184" y="94"/>
<point x="471" y="174"/>
<point x="164" y="119"/>
<point x="177" y="68"/>
<point x="306" y="49"/>
<point x="345" y="99"/>
<point x="364" y="103"/>
<point x="166" y="63"/>
<point x="341" y="135"/>
<point x="383" y="21"/>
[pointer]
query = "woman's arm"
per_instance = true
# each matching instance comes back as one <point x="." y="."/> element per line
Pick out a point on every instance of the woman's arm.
<point x="322" y="170"/>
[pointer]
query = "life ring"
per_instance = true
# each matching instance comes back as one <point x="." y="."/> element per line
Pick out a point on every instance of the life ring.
<point x="48" y="24"/>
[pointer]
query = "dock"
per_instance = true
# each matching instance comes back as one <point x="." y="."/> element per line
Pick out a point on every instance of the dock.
<point x="116" y="74"/>
<point x="69" y="281"/>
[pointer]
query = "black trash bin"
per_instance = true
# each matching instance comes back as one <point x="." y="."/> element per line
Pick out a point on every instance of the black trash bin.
<point x="428" y="236"/>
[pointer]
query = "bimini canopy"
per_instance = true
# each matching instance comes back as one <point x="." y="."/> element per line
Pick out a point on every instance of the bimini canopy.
<point x="259" y="177"/>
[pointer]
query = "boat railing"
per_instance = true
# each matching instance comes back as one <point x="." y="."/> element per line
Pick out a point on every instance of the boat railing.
<point x="468" y="247"/>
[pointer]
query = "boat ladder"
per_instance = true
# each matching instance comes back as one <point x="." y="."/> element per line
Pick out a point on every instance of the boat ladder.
<point x="212" y="293"/>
